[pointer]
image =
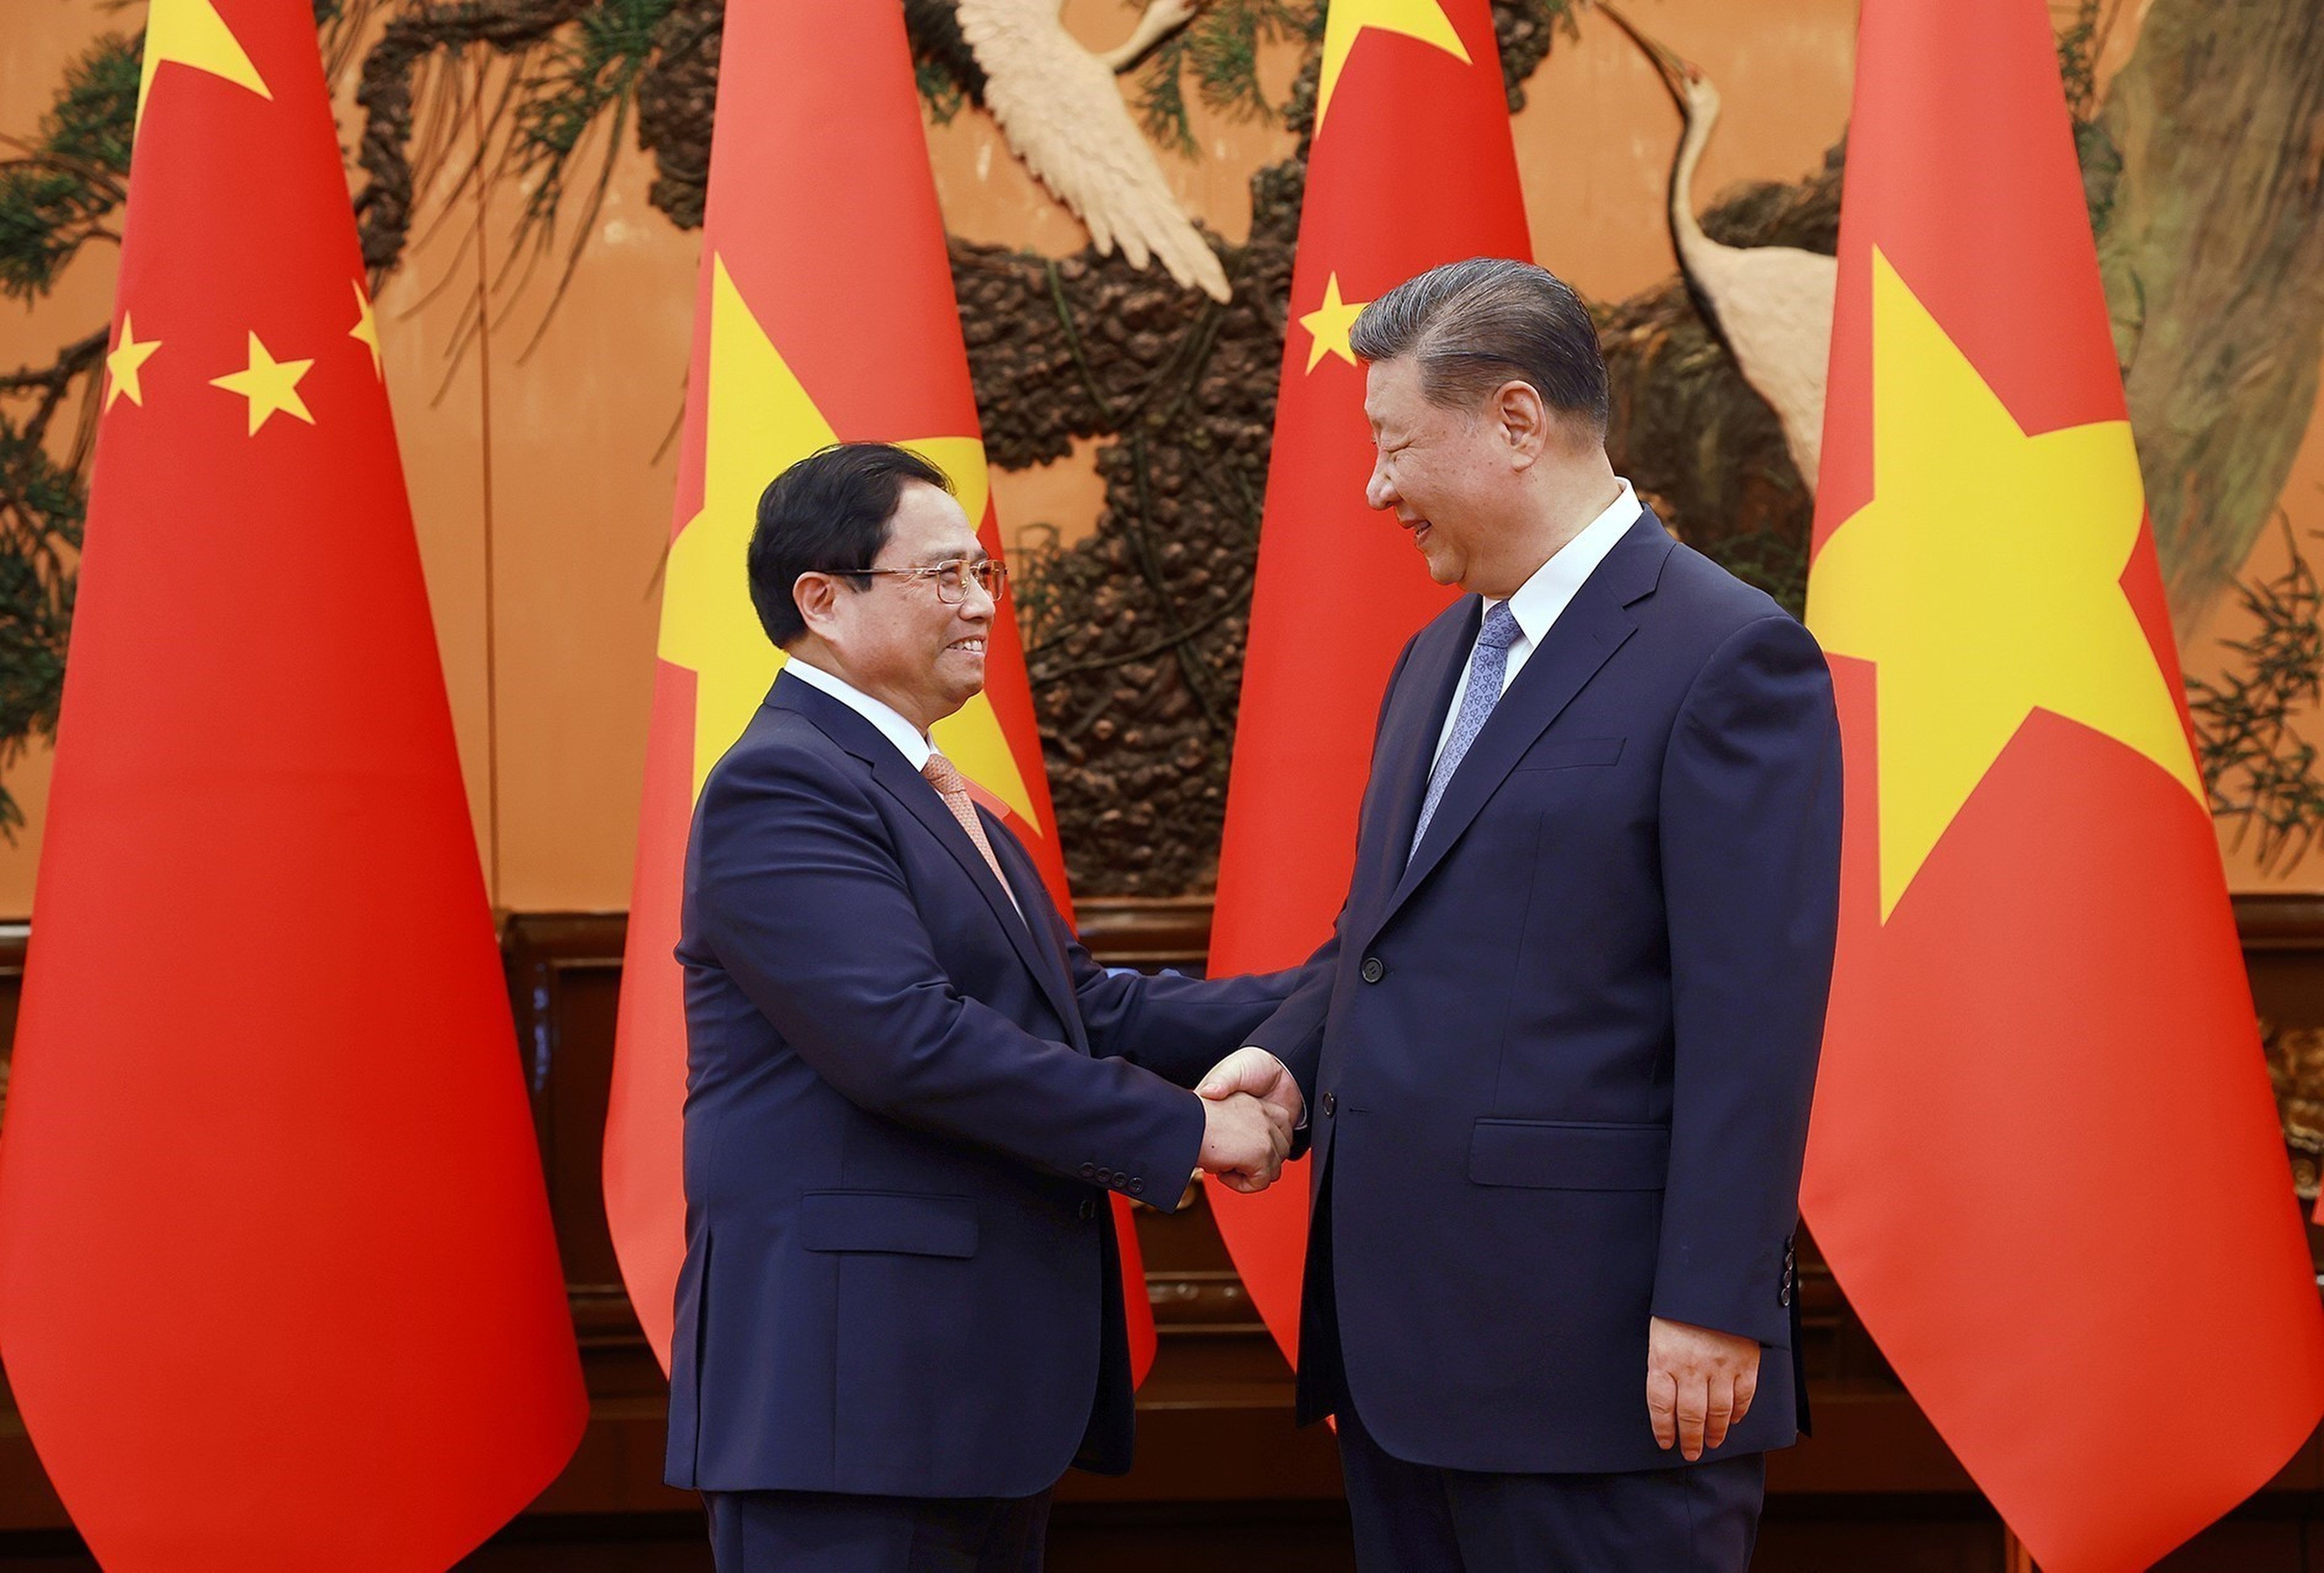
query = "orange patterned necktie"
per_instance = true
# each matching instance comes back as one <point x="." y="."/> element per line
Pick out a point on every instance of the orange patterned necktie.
<point x="953" y="787"/>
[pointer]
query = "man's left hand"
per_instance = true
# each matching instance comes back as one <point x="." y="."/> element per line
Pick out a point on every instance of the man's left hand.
<point x="1700" y="1383"/>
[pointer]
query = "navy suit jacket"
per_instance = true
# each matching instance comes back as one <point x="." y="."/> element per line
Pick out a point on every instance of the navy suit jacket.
<point x="904" y="1110"/>
<point x="1559" y="1061"/>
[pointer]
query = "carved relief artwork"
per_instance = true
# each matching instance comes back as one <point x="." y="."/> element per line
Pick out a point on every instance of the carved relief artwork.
<point x="1147" y="357"/>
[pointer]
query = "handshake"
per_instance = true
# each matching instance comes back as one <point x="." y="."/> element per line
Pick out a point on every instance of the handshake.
<point x="1251" y="1106"/>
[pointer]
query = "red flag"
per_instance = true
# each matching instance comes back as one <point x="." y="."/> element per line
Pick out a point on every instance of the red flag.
<point x="278" y="1288"/>
<point x="825" y="313"/>
<point x="1391" y="192"/>
<point x="2044" y="1163"/>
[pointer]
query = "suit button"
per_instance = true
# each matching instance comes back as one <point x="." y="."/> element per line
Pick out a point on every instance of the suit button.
<point x="1785" y="1297"/>
<point x="1089" y="1171"/>
<point x="1089" y="1207"/>
<point x="1105" y="1177"/>
<point x="1137" y="1186"/>
<point x="1374" y="970"/>
<point x="1331" y="1105"/>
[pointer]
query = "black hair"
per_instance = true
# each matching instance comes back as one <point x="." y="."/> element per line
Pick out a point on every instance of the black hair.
<point x="1472" y="326"/>
<point x="829" y="512"/>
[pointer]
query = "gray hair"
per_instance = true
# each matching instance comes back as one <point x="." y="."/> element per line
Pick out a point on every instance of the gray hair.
<point x="1475" y="325"/>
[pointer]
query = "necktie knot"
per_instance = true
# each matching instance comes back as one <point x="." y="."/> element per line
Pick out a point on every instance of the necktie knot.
<point x="1500" y="630"/>
<point x="953" y="787"/>
<point x="1488" y="662"/>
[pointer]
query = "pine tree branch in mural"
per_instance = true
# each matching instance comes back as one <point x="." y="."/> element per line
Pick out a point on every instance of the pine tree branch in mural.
<point x="2260" y="774"/>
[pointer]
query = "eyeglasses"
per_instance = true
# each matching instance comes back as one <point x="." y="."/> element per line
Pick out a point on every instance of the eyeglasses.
<point x="952" y="577"/>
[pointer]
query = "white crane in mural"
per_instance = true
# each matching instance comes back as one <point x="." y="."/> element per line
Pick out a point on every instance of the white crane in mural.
<point x="1772" y="304"/>
<point x="1057" y="103"/>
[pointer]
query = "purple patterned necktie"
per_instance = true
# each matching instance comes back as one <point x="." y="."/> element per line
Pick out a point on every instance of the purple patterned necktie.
<point x="1486" y="665"/>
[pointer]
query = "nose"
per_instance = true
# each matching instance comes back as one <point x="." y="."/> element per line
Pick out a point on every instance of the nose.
<point x="978" y="604"/>
<point x="1379" y="491"/>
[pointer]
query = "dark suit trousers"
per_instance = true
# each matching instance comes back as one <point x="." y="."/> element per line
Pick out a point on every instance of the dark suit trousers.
<point x="1417" y="1518"/>
<point x="1420" y="1518"/>
<point x="812" y="1531"/>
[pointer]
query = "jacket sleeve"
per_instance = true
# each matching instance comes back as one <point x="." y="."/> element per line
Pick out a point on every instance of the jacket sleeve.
<point x="798" y="894"/>
<point x="1750" y="827"/>
<point x="1177" y="1027"/>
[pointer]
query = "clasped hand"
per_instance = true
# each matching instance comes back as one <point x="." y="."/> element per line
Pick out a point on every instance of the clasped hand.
<point x="1251" y="1106"/>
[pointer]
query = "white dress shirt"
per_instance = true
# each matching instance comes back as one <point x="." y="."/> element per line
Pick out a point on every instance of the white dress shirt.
<point x="906" y="736"/>
<point x="1541" y="600"/>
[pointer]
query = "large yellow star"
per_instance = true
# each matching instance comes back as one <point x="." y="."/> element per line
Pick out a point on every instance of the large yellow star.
<point x="271" y="385"/>
<point x="1422" y="19"/>
<point x="122" y="364"/>
<point x="1328" y="325"/>
<point x="192" y="34"/>
<point x="366" y="330"/>
<point x="761" y="423"/>
<point x="1983" y="580"/>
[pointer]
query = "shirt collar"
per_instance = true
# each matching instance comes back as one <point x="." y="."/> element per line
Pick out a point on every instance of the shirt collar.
<point x="906" y="736"/>
<point x="1540" y="599"/>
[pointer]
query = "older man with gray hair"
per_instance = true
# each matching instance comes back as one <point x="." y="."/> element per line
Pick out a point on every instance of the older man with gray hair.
<point x="1559" y="1057"/>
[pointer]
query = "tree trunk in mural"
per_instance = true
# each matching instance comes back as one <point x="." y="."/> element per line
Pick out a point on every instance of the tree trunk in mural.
<point x="2212" y="248"/>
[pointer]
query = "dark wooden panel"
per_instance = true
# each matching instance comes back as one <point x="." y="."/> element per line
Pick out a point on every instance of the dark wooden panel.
<point x="1222" y="1471"/>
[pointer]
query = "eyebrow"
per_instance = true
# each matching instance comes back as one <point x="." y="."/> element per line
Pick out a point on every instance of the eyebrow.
<point x="930" y="559"/>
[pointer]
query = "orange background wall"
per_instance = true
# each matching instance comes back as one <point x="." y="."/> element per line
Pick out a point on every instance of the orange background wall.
<point x="571" y="457"/>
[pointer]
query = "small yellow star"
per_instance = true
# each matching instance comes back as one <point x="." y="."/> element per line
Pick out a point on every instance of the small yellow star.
<point x="191" y="32"/>
<point x="269" y="385"/>
<point x="366" y="328"/>
<point x="1346" y="20"/>
<point x="1329" y="323"/>
<point x="123" y="363"/>
<point x="1983" y="580"/>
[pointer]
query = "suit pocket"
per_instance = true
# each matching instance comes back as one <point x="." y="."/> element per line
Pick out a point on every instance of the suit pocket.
<point x="1569" y="1155"/>
<point x="901" y="1223"/>
<point x="1564" y="753"/>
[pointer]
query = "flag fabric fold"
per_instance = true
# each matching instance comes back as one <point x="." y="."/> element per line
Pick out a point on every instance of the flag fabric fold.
<point x="1390" y="193"/>
<point x="278" y="1284"/>
<point x="2044" y="1163"/>
<point x="825" y="313"/>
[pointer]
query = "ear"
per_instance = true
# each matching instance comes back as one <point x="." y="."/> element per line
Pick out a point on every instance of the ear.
<point x="1524" y="421"/>
<point x="816" y="596"/>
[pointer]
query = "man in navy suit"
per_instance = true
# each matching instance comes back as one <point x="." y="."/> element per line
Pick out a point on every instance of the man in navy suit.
<point x="1560" y="1050"/>
<point x="909" y="1092"/>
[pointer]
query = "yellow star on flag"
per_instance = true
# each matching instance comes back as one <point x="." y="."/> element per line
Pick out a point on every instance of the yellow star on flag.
<point x="1983" y="581"/>
<point x="1328" y="325"/>
<point x="761" y="421"/>
<point x="192" y="34"/>
<point x="121" y="366"/>
<point x="1422" y="19"/>
<point x="271" y="385"/>
<point x="366" y="330"/>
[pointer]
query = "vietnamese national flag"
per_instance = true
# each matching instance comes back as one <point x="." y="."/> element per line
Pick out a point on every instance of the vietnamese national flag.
<point x="825" y="314"/>
<point x="2043" y="1163"/>
<point x="278" y="1288"/>
<point x="1411" y="166"/>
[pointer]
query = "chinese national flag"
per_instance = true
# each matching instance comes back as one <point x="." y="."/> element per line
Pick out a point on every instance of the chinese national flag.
<point x="278" y="1289"/>
<point x="2044" y="1164"/>
<point x="1411" y="166"/>
<point x="825" y="314"/>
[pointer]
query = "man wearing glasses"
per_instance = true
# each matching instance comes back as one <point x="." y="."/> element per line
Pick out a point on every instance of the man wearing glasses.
<point x="909" y="1089"/>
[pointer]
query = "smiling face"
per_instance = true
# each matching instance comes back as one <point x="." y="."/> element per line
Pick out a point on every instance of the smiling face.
<point x="895" y="639"/>
<point x="1449" y="475"/>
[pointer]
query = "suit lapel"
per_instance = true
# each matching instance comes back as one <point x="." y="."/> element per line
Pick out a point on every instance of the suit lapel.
<point x="1594" y="624"/>
<point x="852" y="732"/>
<point x="1042" y="914"/>
<point x="1406" y="749"/>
